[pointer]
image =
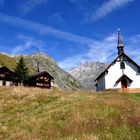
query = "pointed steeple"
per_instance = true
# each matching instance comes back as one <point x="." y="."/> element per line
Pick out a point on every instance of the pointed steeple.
<point x="120" y="43"/>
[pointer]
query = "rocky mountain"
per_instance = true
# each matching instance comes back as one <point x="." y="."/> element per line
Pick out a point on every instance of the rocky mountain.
<point x="62" y="79"/>
<point x="87" y="73"/>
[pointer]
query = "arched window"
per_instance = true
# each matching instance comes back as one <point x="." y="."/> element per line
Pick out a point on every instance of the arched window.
<point x="122" y="65"/>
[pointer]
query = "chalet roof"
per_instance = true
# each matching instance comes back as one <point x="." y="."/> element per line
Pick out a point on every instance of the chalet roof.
<point x="4" y="68"/>
<point x="121" y="54"/>
<point x="124" y="77"/>
<point x="41" y="73"/>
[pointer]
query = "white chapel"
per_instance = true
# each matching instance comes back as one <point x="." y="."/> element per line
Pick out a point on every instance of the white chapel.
<point x="123" y="74"/>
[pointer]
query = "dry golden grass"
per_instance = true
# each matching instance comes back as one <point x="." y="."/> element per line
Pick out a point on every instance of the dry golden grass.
<point x="40" y="114"/>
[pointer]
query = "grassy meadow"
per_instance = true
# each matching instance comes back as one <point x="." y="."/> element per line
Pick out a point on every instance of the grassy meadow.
<point x="40" y="114"/>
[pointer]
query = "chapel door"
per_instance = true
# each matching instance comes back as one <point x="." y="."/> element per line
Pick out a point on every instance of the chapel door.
<point x="124" y="85"/>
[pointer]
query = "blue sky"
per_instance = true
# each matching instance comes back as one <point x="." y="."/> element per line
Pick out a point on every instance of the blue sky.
<point x="72" y="32"/>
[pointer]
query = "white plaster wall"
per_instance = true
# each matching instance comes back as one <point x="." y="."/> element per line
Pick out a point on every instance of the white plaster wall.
<point x="114" y="73"/>
<point x="8" y="83"/>
<point x="132" y="72"/>
<point x="0" y="83"/>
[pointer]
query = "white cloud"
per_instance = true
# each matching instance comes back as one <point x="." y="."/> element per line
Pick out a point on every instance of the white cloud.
<point x="27" y="5"/>
<point x="99" y="50"/>
<point x="29" y="45"/>
<point x="108" y="7"/>
<point x="43" y="29"/>
<point x="104" y="50"/>
<point x="132" y="47"/>
<point x="73" y="61"/>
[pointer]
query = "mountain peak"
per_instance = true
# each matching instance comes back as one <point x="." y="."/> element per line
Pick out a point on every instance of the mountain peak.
<point x="87" y="73"/>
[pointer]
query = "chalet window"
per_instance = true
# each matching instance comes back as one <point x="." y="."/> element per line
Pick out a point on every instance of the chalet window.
<point x="122" y="65"/>
<point x="46" y="79"/>
<point x="39" y="84"/>
<point x="39" y="78"/>
<point x="46" y="85"/>
<point x="2" y="75"/>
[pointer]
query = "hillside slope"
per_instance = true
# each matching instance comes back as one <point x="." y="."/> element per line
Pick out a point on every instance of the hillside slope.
<point x="7" y="61"/>
<point x="40" y="114"/>
<point x="87" y="73"/>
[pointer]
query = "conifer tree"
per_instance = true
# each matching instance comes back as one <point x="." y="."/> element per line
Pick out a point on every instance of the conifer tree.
<point x="21" y="71"/>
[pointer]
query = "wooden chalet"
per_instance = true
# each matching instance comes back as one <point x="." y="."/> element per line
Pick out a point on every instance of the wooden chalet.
<point x="41" y="79"/>
<point x="6" y="76"/>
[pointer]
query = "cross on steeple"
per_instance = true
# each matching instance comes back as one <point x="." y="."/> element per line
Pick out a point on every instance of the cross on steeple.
<point x="120" y="43"/>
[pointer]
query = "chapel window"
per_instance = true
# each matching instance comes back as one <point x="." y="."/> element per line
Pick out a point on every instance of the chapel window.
<point x="122" y="65"/>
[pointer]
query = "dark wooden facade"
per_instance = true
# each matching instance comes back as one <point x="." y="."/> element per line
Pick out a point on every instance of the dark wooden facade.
<point x="41" y="79"/>
<point x="6" y="76"/>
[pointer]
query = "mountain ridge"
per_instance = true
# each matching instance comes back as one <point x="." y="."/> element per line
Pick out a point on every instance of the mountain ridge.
<point x="87" y="73"/>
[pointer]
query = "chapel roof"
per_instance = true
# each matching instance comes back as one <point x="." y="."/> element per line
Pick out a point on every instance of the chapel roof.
<point x="115" y="60"/>
<point x="124" y="77"/>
